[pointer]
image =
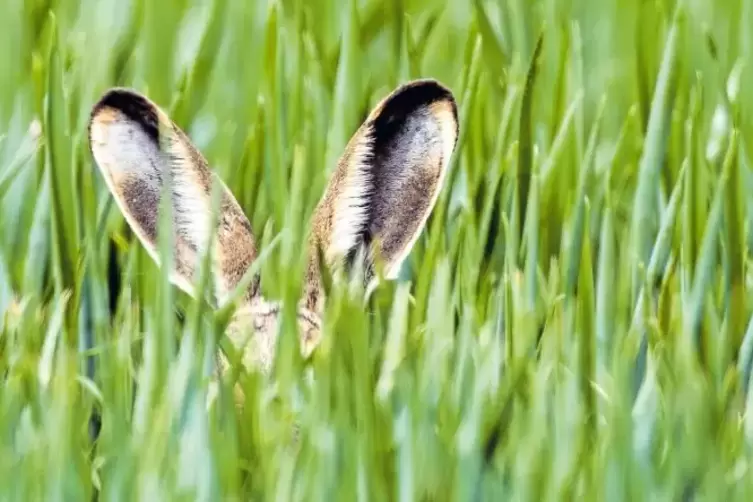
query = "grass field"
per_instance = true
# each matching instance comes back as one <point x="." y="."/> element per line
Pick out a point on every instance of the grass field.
<point x="569" y="326"/>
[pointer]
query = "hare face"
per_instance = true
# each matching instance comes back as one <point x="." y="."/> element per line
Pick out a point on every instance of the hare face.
<point x="376" y="204"/>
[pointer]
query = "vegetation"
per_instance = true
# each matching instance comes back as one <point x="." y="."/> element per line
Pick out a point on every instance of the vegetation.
<point x="570" y="324"/>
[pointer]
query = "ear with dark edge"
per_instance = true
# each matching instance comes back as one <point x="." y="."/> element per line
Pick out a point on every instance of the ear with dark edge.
<point x="386" y="183"/>
<point x="137" y="148"/>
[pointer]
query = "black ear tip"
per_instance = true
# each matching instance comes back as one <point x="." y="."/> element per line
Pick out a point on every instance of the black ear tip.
<point x="432" y="89"/>
<point x="133" y="105"/>
<point x="416" y="94"/>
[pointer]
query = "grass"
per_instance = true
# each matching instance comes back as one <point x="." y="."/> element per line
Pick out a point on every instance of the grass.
<point x="575" y="322"/>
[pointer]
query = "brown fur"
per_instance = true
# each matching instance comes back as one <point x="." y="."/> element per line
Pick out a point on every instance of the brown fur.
<point x="378" y="199"/>
<point x="406" y="175"/>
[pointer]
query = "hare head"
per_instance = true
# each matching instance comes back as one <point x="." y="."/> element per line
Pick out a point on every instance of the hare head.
<point x="376" y="203"/>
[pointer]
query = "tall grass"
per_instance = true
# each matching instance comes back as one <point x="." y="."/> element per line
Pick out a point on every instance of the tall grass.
<point x="575" y="322"/>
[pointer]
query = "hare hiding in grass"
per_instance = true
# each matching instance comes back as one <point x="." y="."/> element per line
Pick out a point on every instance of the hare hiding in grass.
<point x="378" y="200"/>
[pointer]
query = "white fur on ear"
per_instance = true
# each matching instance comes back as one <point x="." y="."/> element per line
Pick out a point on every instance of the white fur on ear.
<point x="139" y="150"/>
<point x="352" y="205"/>
<point x="387" y="181"/>
<point x="125" y="152"/>
<point x="191" y="203"/>
<point x="446" y="131"/>
<point x="123" y="149"/>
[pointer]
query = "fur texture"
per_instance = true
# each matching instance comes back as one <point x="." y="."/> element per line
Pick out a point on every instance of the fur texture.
<point x="375" y="206"/>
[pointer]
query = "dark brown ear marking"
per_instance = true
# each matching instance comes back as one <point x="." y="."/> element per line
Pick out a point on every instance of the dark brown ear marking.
<point x="408" y="163"/>
<point x="137" y="148"/>
<point x="134" y="106"/>
<point x="387" y="181"/>
<point x="406" y="100"/>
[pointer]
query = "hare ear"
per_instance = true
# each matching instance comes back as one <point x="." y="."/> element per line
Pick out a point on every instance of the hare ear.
<point x="138" y="148"/>
<point x="387" y="181"/>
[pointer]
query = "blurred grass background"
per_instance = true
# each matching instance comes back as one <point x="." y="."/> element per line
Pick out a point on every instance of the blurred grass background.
<point x="571" y="323"/>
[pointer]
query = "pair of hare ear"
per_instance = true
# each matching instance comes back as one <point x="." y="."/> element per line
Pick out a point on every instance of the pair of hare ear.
<point x="378" y="199"/>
